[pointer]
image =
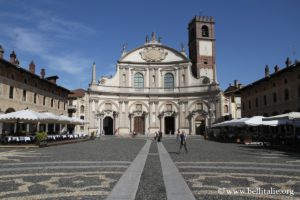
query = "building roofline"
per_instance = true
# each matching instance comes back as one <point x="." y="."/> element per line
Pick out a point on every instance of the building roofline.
<point x="289" y="68"/>
<point x="31" y="74"/>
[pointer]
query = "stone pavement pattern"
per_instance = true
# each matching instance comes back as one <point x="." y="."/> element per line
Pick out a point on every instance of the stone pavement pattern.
<point x="87" y="170"/>
<point x="230" y="171"/>
<point x="94" y="169"/>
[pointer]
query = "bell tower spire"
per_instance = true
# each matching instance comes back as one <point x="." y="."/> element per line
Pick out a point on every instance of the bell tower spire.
<point x="202" y="47"/>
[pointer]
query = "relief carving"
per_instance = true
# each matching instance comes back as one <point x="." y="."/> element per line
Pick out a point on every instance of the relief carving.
<point x="153" y="54"/>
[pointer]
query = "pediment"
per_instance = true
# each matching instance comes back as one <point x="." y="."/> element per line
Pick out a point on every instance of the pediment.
<point x="153" y="54"/>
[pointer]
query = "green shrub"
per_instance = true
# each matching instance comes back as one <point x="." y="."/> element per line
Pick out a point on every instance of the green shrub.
<point x="41" y="136"/>
<point x="92" y="135"/>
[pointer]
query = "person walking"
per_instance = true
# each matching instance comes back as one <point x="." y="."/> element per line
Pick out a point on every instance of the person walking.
<point x="156" y="136"/>
<point x="178" y="136"/>
<point x="159" y="136"/>
<point x="183" y="142"/>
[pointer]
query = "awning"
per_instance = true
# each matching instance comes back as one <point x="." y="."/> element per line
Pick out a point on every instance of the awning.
<point x="252" y="121"/>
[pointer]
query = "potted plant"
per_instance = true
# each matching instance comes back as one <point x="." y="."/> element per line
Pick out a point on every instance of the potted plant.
<point x="92" y="135"/>
<point x="41" y="138"/>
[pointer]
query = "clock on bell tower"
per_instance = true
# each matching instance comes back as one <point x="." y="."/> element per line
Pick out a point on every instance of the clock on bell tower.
<point x="202" y="47"/>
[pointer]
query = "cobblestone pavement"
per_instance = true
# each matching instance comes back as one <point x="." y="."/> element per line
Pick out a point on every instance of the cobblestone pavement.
<point x="215" y="170"/>
<point x="87" y="170"/>
<point x="96" y="168"/>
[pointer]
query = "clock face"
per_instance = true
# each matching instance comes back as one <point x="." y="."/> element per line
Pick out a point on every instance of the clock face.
<point x="205" y="48"/>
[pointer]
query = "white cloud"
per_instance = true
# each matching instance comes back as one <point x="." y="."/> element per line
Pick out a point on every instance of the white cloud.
<point x="29" y="41"/>
<point x="39" y="33"/>
<point x="71" y="63"/>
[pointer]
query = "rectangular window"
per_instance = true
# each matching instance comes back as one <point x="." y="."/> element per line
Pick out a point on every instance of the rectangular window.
<point x="249" y="103"/>
<point x="265" y="100"/>
<point x="34" y="98"/>
<point x="286" y="95"/>
<point x="232" y="99"/>
<point x="274" y="97"/>
<point x="24" y="95"/>
<point x="44" y="101"/>
<point x="11" y="92"/>
<point x="256" y="102"/>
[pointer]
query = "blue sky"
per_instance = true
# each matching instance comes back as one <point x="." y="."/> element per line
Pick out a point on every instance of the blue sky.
<point x="67" y="36"/>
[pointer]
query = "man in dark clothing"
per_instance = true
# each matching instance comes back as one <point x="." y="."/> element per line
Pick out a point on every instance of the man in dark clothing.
<point x="183" y="141"/>
<point x="159" y="136"/>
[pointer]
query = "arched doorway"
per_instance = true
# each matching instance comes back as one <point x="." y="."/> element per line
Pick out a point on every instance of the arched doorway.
<point x="139" y="125"/>
<point x="108" y="126"/>
<point x="169" y="125"/>
<point x="199" y="125"/>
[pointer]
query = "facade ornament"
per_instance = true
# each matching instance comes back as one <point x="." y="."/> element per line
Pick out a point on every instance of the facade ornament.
<point x="168" y="113"/>
<point x="147" y="39"/>
<point x="153" y="38"/>
<point x="124" y="49"/>
<point x="159" y="39"/>
<point x="182" y="48"/>
<point x="153" y="54"/>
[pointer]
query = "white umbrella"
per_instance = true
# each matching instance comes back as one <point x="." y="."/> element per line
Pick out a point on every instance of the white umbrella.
<point x="258" y="120"/>
<point x="286" y="116"/>
<point x="253" y="121"/>
<point x="23" y="115"/>
<point x="64" y="118"/>
<point x="50" y="117"/>
<point x="76" y="120"/>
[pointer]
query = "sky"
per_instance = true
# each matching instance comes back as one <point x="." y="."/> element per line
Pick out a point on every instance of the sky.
<point x="66" y="36"/>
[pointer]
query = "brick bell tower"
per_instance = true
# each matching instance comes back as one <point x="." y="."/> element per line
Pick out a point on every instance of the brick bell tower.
<point x="202" y="47"/>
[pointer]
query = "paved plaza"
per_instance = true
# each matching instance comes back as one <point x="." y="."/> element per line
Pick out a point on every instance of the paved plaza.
<point x="140" y="168"/>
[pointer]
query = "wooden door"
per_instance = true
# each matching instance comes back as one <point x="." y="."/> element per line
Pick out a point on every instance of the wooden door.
<point x="139" y="125"/>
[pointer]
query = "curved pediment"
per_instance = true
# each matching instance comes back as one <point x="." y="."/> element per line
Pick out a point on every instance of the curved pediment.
<point x="153" y="53"/>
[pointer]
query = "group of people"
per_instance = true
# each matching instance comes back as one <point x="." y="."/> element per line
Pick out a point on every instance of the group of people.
<point x="180" y="139"/>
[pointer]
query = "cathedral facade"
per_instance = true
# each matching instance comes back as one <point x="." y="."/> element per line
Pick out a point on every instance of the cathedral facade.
<point x="158" y="88"/>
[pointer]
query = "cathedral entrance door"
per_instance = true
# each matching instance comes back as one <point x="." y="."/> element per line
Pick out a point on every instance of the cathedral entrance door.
<point x="139" y="124"/>
<point x="108" y="126"/>
<point x="200" y="125"/>
<point x="169" y="125"/>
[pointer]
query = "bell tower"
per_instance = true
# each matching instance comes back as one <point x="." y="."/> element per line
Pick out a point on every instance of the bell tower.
<point x="202" y="47"/>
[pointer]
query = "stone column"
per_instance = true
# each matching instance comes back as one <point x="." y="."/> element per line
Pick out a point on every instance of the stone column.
<point x="130" y="122"/>
<point x="54" y="127"/>
<point x="101" y="124"/>
<point x="186" y="72"/>
<point x="1" y="128"/>
<point x="27" y="128"/>
<point x="146" y="117"/>
<point x="126" y="115"/>
<point x="60" y="128"/>
<point x="37" y="127"/>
